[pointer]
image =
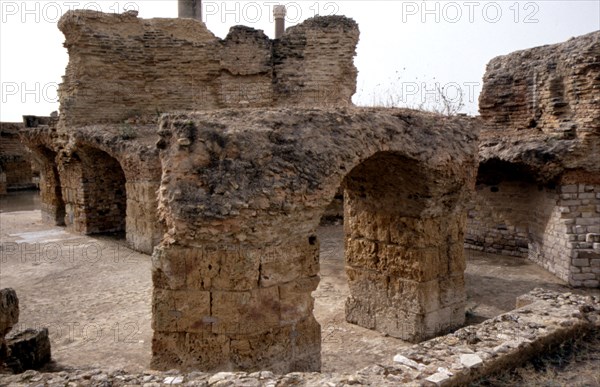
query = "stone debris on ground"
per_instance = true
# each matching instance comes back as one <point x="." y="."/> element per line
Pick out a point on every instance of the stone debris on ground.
<point x="543" y="319"/>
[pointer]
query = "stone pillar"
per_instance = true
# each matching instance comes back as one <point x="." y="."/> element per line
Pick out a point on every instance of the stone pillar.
<point x="409" y="283"/>
<point x="404" y="251"/>
<point x="279" y="14"/>
<point x="191" y="9"/>
<point x="236" y="306"/>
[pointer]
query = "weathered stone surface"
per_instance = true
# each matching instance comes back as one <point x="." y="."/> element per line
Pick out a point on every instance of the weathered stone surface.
<point x="241" y="199"/>
<point x="29" y="349"/>
<point x="507" y="340"/>
<point x="92" y="180"/>
<point x="9" y="316"/>
<point x="122" y="67"/>
<point x="15" y="160"/>
<point x="539" y="171"/>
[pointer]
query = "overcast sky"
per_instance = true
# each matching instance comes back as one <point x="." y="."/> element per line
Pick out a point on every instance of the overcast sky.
<point x="407" y="49"/>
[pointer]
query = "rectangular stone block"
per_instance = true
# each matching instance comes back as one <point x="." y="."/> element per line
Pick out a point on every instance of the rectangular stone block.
<point x="223" y="268"/>
<point x="417" y="233"/>
<point x="372" y="287"/>
<point x="452" y="290"/>
<point x="365" y="225"/>
<point x="407" y="295"/>
<point x="580" y="262"/>
<point x="286" y="263"/>
<point x="588" y="254"/>
<point x="265" y="351"/>
<point x="359" y="312"/>
<point x="568" y="188"/>
<point x="583" y="276"/>
<point x="169" y="269"/>
<point x="419" y="265"/>
<point x="587" y="221"/>
<point x="205" y="352"/>
<point x="181" y="311"/>
<point x="296" y="301"/>
<point x="243" y="313"/>
<point x="586" y="195"/>
<point x="362" y="253"/>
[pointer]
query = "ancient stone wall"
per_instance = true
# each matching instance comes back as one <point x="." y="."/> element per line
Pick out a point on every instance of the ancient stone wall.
<point x="540" y="159"/>
<point x="15" y="159"/>
<point x="498" y="217"/>
<point x="122" y="67"/>
<point x="549" y="89"/>
<point x="313" y="63"/>
<point x="241" y="196"/>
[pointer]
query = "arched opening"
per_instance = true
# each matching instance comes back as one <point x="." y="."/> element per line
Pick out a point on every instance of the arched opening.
<point x="97" y="197"/>
<point x="512" y="219"/>
<point x="403" y="258"/>
<point x="500" y="214"/>
<point x="51" y="197"/>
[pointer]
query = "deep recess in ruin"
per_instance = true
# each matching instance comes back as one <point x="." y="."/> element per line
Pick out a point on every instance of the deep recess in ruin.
<point x="220" y="162"/>
<point x="538" y="186"/>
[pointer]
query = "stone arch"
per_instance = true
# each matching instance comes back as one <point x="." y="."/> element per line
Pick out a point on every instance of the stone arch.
<point x="140" y="170"/>
<point x="96" y="192"/>
<point x="241" y="196"/>
<point x="51" y="197"/>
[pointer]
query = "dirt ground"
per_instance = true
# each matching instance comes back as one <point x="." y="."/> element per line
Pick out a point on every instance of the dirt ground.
<point x="93" y="294"/>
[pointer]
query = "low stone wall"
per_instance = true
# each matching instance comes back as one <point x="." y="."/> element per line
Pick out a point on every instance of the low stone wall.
<point x="544" y="319"/>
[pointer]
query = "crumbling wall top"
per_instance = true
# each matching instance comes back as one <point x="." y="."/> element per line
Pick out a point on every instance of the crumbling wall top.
<point x="124" y="68"/>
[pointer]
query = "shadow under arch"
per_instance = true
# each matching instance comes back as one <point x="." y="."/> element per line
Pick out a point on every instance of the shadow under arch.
<point x="512" y="213"/>
<point x="96" y="192"/>
<point x="403" y="253"/>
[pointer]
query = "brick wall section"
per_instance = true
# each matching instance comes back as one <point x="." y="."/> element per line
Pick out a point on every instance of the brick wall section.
<point x="540" y="117"/>
<point x="550" y="88"/>
<point x="122" y="67"/>
<point x="548" y="233"/>
<point x="498" y="217"/>
<point x="313" y="63"/>
<point x="554" y="227"/>
<point x="15" y="159"/>
<point x="579" y="207"/>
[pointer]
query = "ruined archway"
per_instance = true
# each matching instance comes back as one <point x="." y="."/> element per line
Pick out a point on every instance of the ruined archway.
<point x="515" y="212"/>
<point x="242" y="194"/>
<point x="404" y="265"/>
<point x="51" y="197"/>
<point x="96" y="197"/>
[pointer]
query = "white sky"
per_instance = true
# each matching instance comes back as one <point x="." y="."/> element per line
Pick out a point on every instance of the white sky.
<point x="402" y="43"/>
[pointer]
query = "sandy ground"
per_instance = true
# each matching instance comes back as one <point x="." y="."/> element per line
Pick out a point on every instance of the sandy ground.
<point x="93" y="294"/>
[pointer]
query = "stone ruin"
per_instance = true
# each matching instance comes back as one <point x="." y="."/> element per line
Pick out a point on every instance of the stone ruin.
<point x="29" y="349"/>
<point x="228" y="197"/>
<point x="538" y="184"/>
<point x="17" y="170"/>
